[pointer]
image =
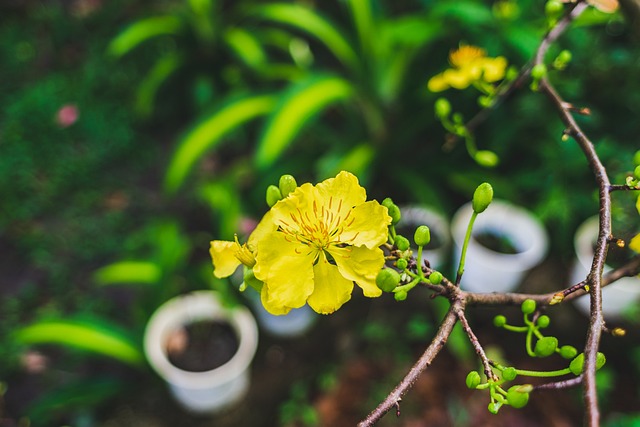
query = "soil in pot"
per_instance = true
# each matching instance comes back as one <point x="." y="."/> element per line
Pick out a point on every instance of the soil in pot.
<point x="497" y="242"/>
<point x="202" y="346"/>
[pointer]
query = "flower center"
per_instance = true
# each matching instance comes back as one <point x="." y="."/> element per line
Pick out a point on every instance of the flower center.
<point x="320" y="227"/>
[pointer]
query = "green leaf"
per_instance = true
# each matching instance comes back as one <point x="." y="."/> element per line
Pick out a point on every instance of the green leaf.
<point x="246" y="46"/>
<point x="142" y="272"/>
<point x="310" y="22"/>
<point x="301" y="102"/>
<point x="468" y="12"/>
<point x="141" y="31"/>
<point x="148" y="88"/>
<point x="209" y="133"/>
<point x="103" y="338"/>
<point x="363" y="18"/>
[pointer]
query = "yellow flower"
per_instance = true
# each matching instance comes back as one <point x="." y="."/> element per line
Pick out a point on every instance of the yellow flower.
<point x="314" y="244"/>
<point x="227" y="256"/>
<point x="634" y="244"/>
<point x="470" y="64"/>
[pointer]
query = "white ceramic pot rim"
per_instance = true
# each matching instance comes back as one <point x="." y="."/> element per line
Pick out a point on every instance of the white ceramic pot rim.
<point x="199" y="305"/>
<point x="526" y="231"/>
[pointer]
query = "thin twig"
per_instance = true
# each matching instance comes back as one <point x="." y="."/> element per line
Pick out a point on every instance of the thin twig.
<point x="438" y="342"/>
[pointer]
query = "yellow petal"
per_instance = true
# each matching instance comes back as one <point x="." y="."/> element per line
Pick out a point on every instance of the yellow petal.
<point x="300" y="200"/>
<point x="361" y="265"/>
<point x="494" y="69"/>
<point x="634" y="244"/>
<point x="437" y="83"/>
<point x="270" y="306"/>
<point x="286" y="268"/>
<point x="223" y="255"/>
<point x="342" y="192"/>
<point x="459" y="79"/>
<point x="331" y="290"/>
<point x="264" y="227"/>
<point x="367" y="225"/>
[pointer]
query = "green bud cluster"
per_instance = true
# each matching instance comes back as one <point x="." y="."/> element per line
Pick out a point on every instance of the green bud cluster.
<point x="517" y="396"/>
<point x="286" y="186"/>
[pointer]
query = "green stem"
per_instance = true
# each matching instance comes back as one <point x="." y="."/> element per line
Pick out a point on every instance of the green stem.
<point x="530" y="352"/>
<point x="541" y="374"/>
<point x="515" y="328"/>
<point x="463" y="255"/>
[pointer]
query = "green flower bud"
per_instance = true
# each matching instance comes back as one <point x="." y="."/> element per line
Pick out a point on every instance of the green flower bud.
<point x="636" y="158"/>
<point x="562" y="60"/>
<point x="273" y="195"/>
<point x="287" y="184"/>
<point x="509" y="374"/>
<point x="528" y="306"/>
<point x="402" y="243"/>
<point x="442" y="108"/>
<point x="400" y="295"/>
<point x="485" y="101"/>
<point x="577" y="365"/>
<point x="473" y="379"/>
<point x="543" y="321"/>
<point x="482" y="197"/>
<point x="539" y="71"/>
<point x="435" y="278"/>
<point x="568" y="352"/>
<point x="553" y="8"/>
<point x="402" y="263"/>
<point x="546" y="346"/>
<point x="518" y="395"/>
<point x="636" y="172"/>
<point x="394" y="213"/>
<point x="494" y="407"/>
<point x="422" y="236"/>
<point x="486" y="158"/>
<point x="387" y="279"/>
<point x="499" y="321"/>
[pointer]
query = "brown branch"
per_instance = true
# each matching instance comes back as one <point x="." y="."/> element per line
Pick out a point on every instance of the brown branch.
<point x="558" y="385"/>
<point x="438" y="342"/>
<point x="476" y="345"/>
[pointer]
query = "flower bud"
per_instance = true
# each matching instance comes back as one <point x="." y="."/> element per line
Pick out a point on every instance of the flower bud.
<point x="539" y="71"/>
<point x="273" y="195"/>
<point x="387" y="279"/>
<point x="553" y="8"/>
<point x="577" y="365"/>
<point x="435" y="278"/>
<point x="518" y="395"/>
<point x="543" y="321"/>
<point x="546" y="346"/>
<point x="562" y="60"/>
<point x="393" y="210"/>
<point x="400" y="295"/>
<point x="402" y="263"/>
<point x="618" y="332"/>
<point x="442" y="108"/>
<point x="482" y="197"/>
<point x="473" y="380"/>
<point x="636" y="172"/>
<point x="287" y="185"/>
<point x="422" y="236"/>
<point x="494" y="407"/>
<point x="636" y="158"/>
<point x="509" y="374"/>
<point x="402" y="243"/>
<point x="499" y="321"/>
<point x="568" y="352"/>
<point x="558" y="297"/>
<point x="528" y="306"/>
<point x="486" y="158"/>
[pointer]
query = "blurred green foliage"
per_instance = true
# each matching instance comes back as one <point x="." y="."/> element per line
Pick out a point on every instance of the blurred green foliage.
<point x="189" y="109"/>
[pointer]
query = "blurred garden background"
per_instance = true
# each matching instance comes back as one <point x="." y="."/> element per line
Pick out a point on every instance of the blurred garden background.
<point x="134" y="132"/>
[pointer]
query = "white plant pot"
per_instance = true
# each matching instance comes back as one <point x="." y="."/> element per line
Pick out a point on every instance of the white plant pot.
<point x="615" y="297"/>
<point x="490" y="271"/>
<point x="209" y="391"/>
<point x="414" y="216"/>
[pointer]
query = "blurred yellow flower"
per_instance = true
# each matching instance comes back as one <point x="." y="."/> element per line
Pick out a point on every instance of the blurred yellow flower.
<point x="314" y="244"/>
<point x="470" y="64"/>
<point x="606" y="6"/>
<point x="634" y="244"/>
